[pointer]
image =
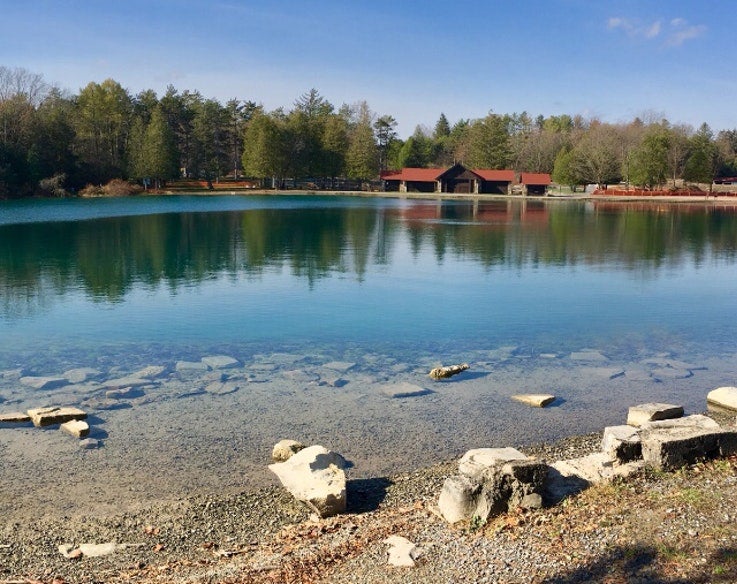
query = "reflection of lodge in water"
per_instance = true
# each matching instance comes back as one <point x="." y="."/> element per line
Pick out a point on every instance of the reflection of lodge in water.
<point x="492" y="212"/>
<point x="461" y="180"/>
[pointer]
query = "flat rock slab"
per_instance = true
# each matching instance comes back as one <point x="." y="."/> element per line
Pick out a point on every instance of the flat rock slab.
<point x="90" y="550"/>
<point x="340" y="366"/>
<point x="404" y="389"/>
<point x="220" y="362"/>
<point x="722" y="399"/>
<point x="671" y="449"/>
<point x="81" y="374"/>
<point x="14" y="418"/>
<point x="589" y="355"/>
<point x="477" y="460"/>
<point x="537" y="400"/>
<point x="190" y="366"/>
<point x="222" y="387"/>
<point x="402" y="552"/>
<point x="595" y="468"/>
<point x="667" y="373"/>
<point x="44" y="382"/>
<point x="638" y="415"/>
<point x="50" y="416"/>
<point x="122" y="382"/>
<point x="76" y="428"/>
<point x="301" y="376"/>
<point x="692" y="421"/>
<point x="150" y="372"/>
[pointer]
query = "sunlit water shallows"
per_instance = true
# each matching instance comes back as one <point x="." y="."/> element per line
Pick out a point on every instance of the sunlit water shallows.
<point x="324" y="302"/>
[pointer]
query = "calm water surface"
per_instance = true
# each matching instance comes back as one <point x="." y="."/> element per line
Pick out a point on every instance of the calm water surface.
<point x="390" y="287"/>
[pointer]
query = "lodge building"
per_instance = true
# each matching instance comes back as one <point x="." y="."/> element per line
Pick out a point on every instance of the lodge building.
<point x="461" y="180"/>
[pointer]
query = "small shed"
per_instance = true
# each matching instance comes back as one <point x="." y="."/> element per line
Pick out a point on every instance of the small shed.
<point x="534" y="183"/>
<point x="413" y="180"/>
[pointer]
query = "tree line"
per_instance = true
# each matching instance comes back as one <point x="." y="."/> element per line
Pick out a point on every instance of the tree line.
<point x="55" y="143"/>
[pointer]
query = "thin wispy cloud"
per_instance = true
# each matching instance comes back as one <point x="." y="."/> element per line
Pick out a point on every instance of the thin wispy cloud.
<point x="681" y="31"/>
<point x="674" y="33"/>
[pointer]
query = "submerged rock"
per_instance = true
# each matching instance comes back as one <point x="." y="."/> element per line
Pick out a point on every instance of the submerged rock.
<point x="44" y="382"/>
<point x="537" y="400"/>
<point x="220" y="362"/>
<point x="404" y="389"/>
<point x="81" y="374"/>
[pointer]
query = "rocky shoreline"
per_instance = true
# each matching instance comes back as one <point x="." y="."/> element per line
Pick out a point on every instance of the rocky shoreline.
<point x="266" y="536"/>
<point x="262" y="534"/>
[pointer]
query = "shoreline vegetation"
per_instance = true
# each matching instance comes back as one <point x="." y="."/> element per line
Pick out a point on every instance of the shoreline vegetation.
<point x="54" y="143"/>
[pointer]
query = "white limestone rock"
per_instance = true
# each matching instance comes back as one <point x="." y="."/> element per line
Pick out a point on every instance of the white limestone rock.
<point x="123" y="382"/>
<point x="402" y="552"/>
<point x="285" y="449"/>
<point x="595" y="468"/>
<point x="722" y="399"/>
<point x="651" y="412"/>
<point x="458" y="498"/>
<point x="14" y="418"/>
<point x="694" y="421"/>
<point x="316" y="477"/>
<point x="536" y="400"/>
<point x="151" y="372"/>
<point x="190" y="366"/>
<point x="55" y="415"/>
<point x="477" y="460"/>
<point x="220" y="362"/>
<point x="621" y="443"/>
<point x="76" y="428"/>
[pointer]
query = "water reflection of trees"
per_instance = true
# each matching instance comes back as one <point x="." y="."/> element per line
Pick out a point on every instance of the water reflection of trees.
<point x="107" y="258"/>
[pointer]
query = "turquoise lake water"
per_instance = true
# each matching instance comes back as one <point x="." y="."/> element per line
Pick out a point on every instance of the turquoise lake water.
<point x="210" y="271"/>
<point x="324" y="302"/>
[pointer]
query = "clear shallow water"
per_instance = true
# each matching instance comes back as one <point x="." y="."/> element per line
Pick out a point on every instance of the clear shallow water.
<point x="287" y="285"/>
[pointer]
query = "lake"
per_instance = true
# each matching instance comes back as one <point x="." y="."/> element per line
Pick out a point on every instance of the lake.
<point x="324" y="304"/>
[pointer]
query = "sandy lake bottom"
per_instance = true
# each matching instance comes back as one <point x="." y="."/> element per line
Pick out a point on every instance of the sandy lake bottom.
<point x="191" y="429"/>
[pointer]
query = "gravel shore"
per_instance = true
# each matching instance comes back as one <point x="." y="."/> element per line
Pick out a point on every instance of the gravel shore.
<point x="655" y="527"/>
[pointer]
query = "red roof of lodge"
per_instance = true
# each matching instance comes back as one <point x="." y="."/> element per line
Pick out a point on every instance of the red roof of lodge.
<point x="415" y="174"/>
<point x="495" y="175"/>
<point x="534" y="178"/>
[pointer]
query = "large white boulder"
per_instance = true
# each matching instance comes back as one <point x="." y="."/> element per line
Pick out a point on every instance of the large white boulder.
<point x="316" y="477"/>
<point x="722" y="399"/>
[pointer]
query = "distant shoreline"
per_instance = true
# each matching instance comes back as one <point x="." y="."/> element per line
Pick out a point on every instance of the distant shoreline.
<point x="719" y="198"/>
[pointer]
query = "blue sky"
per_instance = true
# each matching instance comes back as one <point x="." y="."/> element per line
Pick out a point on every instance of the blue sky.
<point x="411" y="59"/>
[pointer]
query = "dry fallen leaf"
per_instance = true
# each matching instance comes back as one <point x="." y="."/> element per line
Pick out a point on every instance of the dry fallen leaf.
<point x="158" y="547"/>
